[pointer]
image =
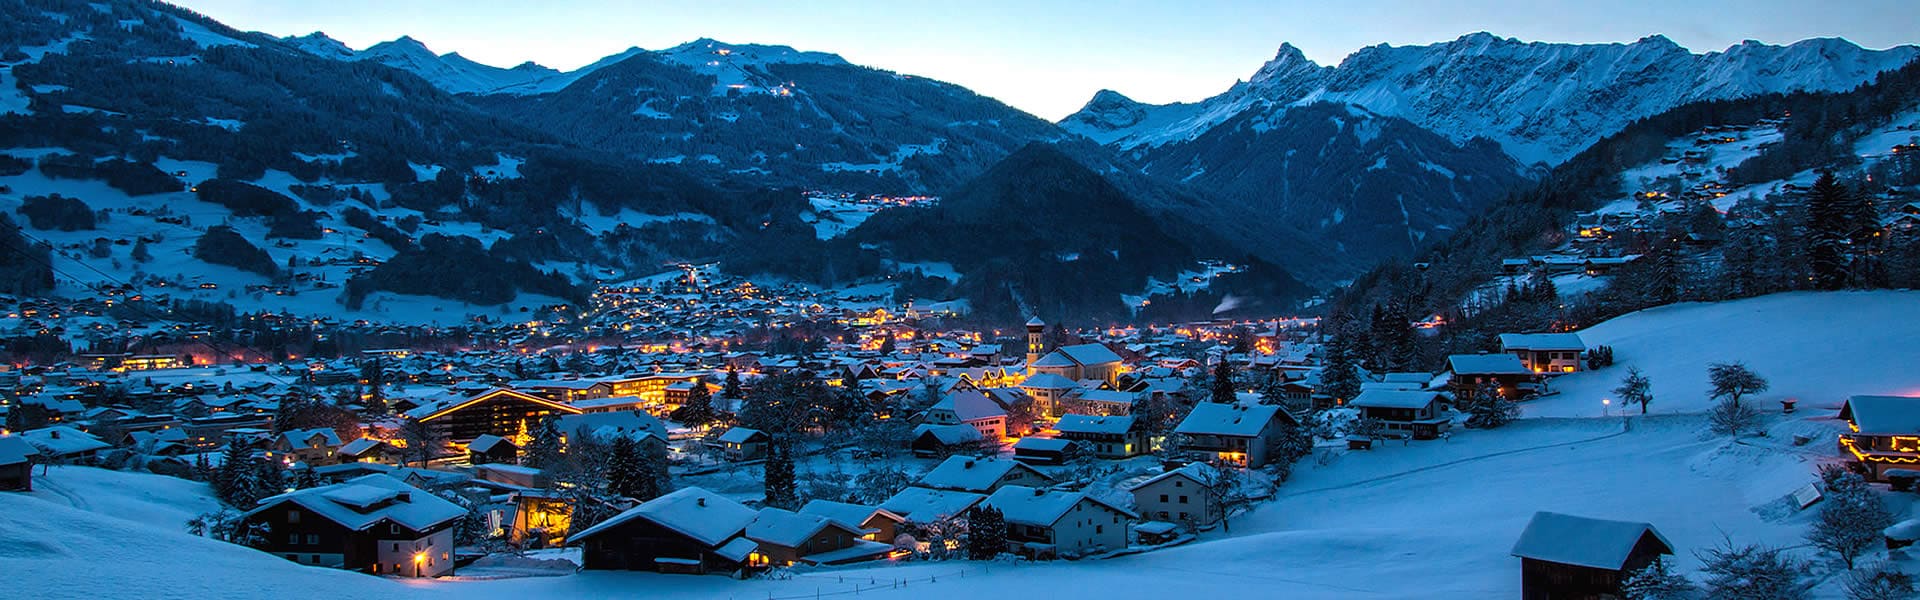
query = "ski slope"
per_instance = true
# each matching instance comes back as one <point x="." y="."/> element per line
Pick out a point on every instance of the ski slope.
<point x="1817" y="347"/>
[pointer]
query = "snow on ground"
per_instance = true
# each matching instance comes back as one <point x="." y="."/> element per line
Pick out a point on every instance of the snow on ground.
<point x="1818" y="347"/>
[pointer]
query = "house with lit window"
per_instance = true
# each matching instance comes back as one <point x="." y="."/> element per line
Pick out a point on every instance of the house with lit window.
<point x="1406" y="413"/>
<point x="1503" y="374"/>
<point x="567" y="390"/>
<point x="1236" y="434"/>
<point x="741" y="443"/>
<point x="787" y="538"/>
<point x="971" y="408"/>
<point x="879" y="524"/>
<point x="1884" y="433"/>
<point x="373" y="523"/>
<point x="1043" y="523"/>
<point x="1185" y="495"/>
<point x="315" y="447"/>
<point x="1081" y="362"/>
<point x="691" y="531"/>
<point x="1545" y="353"/>
<point x="1105" y="437"/>
<point x="490" y="448"/>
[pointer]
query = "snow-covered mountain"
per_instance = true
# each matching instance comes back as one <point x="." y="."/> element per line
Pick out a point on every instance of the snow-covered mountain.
<point x="1543" y="102"/>
<point x="451" y="72"/>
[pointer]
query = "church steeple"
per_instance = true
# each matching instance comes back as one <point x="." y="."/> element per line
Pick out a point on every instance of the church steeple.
<point x="1035" y="347"/>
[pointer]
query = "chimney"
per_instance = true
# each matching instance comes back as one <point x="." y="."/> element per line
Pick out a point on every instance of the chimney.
<point x="701" y="501"/>
<point x="1039" y="492"/>
<point x="55" y="434"/>
<point x="969" y="463"/>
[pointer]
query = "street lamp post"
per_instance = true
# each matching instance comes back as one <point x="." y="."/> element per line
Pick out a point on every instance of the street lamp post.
<point x="1606" y="406"/>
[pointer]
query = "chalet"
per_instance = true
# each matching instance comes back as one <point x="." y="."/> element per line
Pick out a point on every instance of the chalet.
<point x="931" y="441"/>
<point x="1545" y="353"/>
<point x="567" y="390"/>
<point x="923" y="505"/>
<point x="1236" y="434"/>
<point x="315" y="447"/>
<point x="501" y="412"/>
<point x="786" y="538"/>
<point x="1564" y="556"/>
<point x="1185" y="495"/>
<point x="1885" y="433"/>
<point x="373" y="523"/>
<point x="1081" y="362"/>
<point x="369" y="450"/>
<point x="1414" y="413"/>
<point x="1468" y="374"/>
<point x="16" y="463"/>
<point x="1048" y="523"/>
<point x="61" y="444"/>
<point x="1045" y="451"/>
<point x="970" y="408"/>
<point x="877" y="523"/>
<point x="490" y="448"/>
<point x="638" y="425"/>
<point x="1105" y="437"/>
<point x="162" y="442"/>
<point x="690" y="530"/>
<point x="742" y="444"/>
<point x="980" y="475"/>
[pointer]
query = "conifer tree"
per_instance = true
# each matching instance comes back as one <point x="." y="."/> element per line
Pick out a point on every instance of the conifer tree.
<point x="626" y="475"/>
<point x="1828" y="231"/>
<point x="782" y="488"/>
<point x="1221" y="388"/>
<point x="986" y="533"/>
<point x="543" y="451"/>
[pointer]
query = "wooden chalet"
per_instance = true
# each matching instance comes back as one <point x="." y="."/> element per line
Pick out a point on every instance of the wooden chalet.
<point x="501" y="412"/>
<point x="690" y="530"/>
<point x="1564" y="557"/>
<point x="373" y="523"/>
<point x="1884" y="433"/>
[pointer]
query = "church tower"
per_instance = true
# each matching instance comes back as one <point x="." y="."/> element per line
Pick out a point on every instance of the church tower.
<point x="1034" y="346"/>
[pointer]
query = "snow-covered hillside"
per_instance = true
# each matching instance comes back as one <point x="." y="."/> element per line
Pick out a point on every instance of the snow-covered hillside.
<point x="1543" y="102"/>
<point x="1817" y="347"/>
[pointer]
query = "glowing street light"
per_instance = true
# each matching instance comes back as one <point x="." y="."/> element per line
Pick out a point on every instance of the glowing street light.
<point x="1605" y="406"/>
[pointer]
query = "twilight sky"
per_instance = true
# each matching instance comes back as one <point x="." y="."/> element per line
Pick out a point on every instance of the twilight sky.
<point x="1048" y="56"/>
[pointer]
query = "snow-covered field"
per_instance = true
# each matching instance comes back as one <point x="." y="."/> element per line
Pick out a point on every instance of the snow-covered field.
<point x="1818" y="348"/>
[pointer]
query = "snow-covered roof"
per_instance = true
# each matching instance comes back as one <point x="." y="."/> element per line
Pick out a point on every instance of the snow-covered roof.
<point x="1034" y="506"/>
<point x="1040" y="444"/>
<point x="737" y="549"/>
<point x="783" y="527"/>
<point x="923" y="505"/>
<point x="1049" y="381"/>
<point x="1416" y="378"/>
<point x="446" y="404"/>
<point x="706" y="517"/>
<point x="949" y="434"/>
<point x="970" y="405"/>
<point x="1378" y="398"/>
<point x="1583" y="541"/>
<point x="485" y="442"/>
<point x="367" y="500"/>
<point x="852" y="515"/>
<point x="738" y="435"/>
<point x="973" y="474"/>
<point x="364" y="445"/>
<point x="318" y="437"/>
<point x="1883" y="414"/>
<point x="1090" y="354"/>
<point x="1487" y="364"/>
<point x="61" y="440"/>
<point x="1055" y="359"/>
<point x="1542" y="341"/>
<point x="1036" y="322"/>
<point x="1201" y="473"/>
<point x="1238" y="420"/>
<point x="15" y="450"/>
<point x="1107" y="396"/>
<point x="1095" y="425"/>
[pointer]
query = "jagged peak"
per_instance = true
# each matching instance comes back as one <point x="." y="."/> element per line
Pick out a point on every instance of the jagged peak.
<point x="1110" y="98"/>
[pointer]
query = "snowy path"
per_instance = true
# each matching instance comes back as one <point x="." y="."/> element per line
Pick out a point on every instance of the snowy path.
<point x="73" y="499"/>
<point x="1626" y="426"/>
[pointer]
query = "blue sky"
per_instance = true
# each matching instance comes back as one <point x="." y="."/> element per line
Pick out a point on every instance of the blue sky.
<point x="1048" y="56"/>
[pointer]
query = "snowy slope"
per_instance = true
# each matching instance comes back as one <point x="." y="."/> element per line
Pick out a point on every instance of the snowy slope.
<point x="1543" y="102"/>
<point x="1816" y="347"/>
<point x="451" y="72"/>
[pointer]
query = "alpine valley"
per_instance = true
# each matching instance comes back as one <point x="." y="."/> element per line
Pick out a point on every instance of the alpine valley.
<point x="392" y="181"/>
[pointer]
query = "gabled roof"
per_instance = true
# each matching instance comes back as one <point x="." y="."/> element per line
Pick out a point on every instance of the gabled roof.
<point x="1108" y="396"/>
<point x="608" y="425"/>
<point x="439" y="407"/>
<point x="739" y="435"/>
<point x="704" y="516"/>
<point x="487" y="442"/>
<point x="15" y="450"/>
<point x="1089" y="354"/>
<point x="1582" y="541"/>
<point x="1487" y="364"/>
<point x="970" y="405"/>
<point x="303" y="438"/>
<point x="61" y="440"/>
<point x="1040" y="444"/>
<point x="1033" y="506"/>
<point x="1049" y="381"/>
<point x="1055" y="359"/>
<point x="971" y="474"/>
<point x="949" y="434"/>
<point x="1382" y="398"/>
<point x="1202" y="473"/>
<point x="1542" y="341"/>
<point x="853" y="515"/>
<point x="1883" y="414"/>
<point x="364" y="445"/>
<point x="782" y="527"/>
<point x="923" y="505"/>
<point x="367" y="500"/>
<point x="1095" y="425"/>
<point x="1237" y="420"/>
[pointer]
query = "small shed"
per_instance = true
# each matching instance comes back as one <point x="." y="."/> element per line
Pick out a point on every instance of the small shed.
<point x="1565" y="556"/>
<point x="1044" y="451"/>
